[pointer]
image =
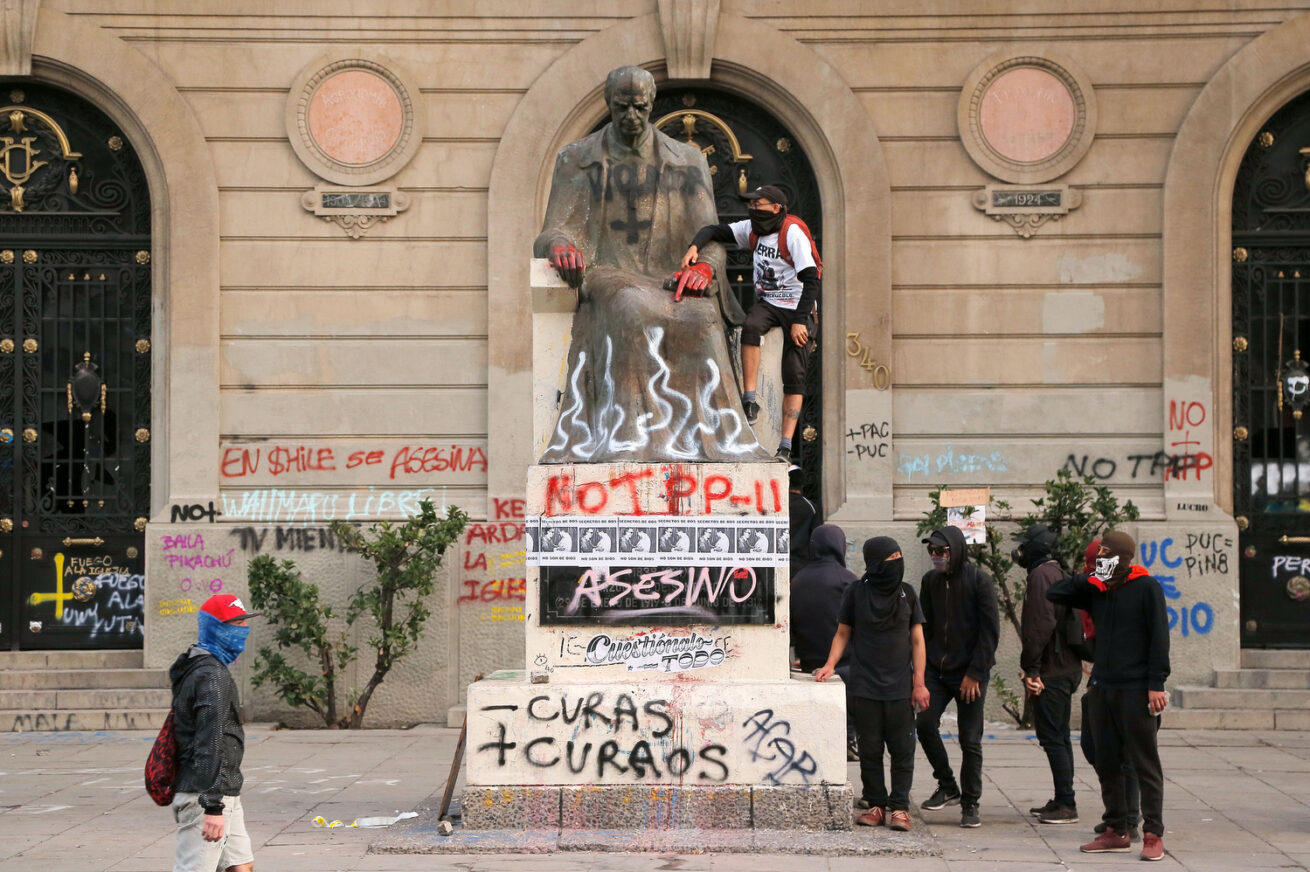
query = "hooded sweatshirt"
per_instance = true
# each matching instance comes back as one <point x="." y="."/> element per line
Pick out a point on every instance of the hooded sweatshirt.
<point x="1132" y="624"/>
<point x="816" y="596"/>
<point x="1044" y="653"/>
<point x="963" y="621"/>
<point x="210" y="740"/>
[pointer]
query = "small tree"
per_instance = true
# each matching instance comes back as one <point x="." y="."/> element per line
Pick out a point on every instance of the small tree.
<point x="1078" y="511"/>
<point x="406" y="557"/>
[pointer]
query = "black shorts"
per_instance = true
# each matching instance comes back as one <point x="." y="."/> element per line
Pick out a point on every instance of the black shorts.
<point x="762" y="318"/>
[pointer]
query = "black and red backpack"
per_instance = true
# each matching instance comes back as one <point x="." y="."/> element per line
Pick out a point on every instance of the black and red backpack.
<point x="161" y="765"/>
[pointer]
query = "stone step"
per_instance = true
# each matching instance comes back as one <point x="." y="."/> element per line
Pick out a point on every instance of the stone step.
<point x="1235" y="719"/>
<point x="82" y="720"/>
<point x="1274" y="679"/>
<point x="1217" y="719"/>
<point x="81" y="679"/>
<point x="71" y="660"/>
<point x="1276" y="658"/>
<point x="125" y="698"/>
<point x="1240" y="698"/>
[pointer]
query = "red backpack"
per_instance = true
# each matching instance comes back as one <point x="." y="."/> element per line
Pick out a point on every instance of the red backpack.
<point x="161" y="765"/>
<point x="787" y="221"/>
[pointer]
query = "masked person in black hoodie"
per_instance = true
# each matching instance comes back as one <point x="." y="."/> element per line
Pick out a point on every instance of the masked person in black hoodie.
<point x="211" y="825"/>
<point x="1051" y="672"/>
<point x="1130" y="668"/>
<point x="816" y="598"/>
<point x="881" y="613"/>
<point x="962" y="629"/>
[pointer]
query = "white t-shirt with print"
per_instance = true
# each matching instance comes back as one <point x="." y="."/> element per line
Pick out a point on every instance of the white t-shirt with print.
<point x="775" y="279"/>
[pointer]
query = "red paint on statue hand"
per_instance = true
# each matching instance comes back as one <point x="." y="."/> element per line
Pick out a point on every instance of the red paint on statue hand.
<point x="696" y="277"/>
<point x="568" y="262"/>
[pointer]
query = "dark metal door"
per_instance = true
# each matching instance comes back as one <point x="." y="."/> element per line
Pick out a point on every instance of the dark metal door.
<point x="1271" y="383"/>
<point x="746" y="147"/>
<point x="75" y="308"/>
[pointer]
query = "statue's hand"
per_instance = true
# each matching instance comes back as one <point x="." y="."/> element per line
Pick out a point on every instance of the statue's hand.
<point x="692" y="255"/>
<point x="695" y="278"/>
<point x="568" y="262"/>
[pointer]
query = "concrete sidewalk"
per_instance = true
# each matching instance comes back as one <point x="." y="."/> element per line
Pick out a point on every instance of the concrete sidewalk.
<point x="75" y="801"/>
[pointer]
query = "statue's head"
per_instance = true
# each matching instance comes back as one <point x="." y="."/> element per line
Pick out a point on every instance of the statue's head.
<point x="630" y="93"/>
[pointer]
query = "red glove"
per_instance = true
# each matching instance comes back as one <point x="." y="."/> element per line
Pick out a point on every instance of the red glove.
<point x="696" y="277"/>
<point x="568" y="262"/>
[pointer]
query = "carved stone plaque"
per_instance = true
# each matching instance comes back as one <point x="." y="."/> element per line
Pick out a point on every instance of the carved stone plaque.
<point x="355" y="117"/>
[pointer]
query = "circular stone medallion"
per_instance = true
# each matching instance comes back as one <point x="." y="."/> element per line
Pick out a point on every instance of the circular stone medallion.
<point x="354" y="121"/>
<point x="1026" y="114"/>
<point x="1026" y="119"/>
<point x="355" y="117"/>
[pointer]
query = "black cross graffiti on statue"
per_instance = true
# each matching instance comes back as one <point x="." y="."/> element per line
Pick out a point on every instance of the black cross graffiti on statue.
<point x="622" y="177"/>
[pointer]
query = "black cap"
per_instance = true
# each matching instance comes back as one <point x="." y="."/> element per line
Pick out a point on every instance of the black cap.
<point x="937" y="537"/>
<point x="769" y="192"/>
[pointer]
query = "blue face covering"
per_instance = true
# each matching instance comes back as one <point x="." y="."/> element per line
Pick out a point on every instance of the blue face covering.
<point x="224" y="641"/>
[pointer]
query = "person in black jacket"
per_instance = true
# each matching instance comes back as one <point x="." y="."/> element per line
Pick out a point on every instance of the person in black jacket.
<point x="883" y="624"/>
<point x="962" y="628"/>
<point x="211" y="826"/>
<point x="1129" y="671"/>
<point x="816" y="598"/>
<point x="1051" y="672"/>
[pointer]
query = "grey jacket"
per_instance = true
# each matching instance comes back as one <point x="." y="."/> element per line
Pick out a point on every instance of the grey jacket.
<point x="210" y="740"/>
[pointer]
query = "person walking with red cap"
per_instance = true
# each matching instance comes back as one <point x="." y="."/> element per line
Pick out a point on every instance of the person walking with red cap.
<point x="211" y="826"/>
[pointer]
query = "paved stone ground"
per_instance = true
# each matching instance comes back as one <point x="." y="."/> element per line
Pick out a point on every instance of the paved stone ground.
<point x="74" y="802"/>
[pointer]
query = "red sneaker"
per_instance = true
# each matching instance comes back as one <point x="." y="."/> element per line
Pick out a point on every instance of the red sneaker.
<point x="1107" y="842"/>
<point x="900" y="820"/>
<point x="1152" y="847"/>
<point x="874" y="817"/>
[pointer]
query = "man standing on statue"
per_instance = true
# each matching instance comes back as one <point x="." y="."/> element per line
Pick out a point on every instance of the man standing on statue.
<point x="787" y="271"/>
<point x="649" y="375"/>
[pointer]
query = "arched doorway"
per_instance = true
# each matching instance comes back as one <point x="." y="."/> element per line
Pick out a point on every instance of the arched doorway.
<point x="745" y="147"/>
<point x="1271" y="379"/>
<point x="75" y="368"/>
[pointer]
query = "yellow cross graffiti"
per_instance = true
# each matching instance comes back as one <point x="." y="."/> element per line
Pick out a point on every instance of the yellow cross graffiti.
<point x="58" y="596"/>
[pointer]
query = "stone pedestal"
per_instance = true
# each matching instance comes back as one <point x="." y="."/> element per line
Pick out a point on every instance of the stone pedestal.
<point x="658" y="693"/>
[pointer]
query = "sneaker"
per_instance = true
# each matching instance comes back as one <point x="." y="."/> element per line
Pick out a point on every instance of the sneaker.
<point x="943" y="797"/>
<point x="969" y="816"/>
<point x="752" y="411"/>
<point x="874" y="817"/>
<point x="863" y="803"/>
<point x="1133" y="832"/>
<point x="852" y="752"/>
<point x="900" y="820"/>
<point x="783" y="454"/>
<point x="1107" y="842"/>
<point x="1152" y="845"/>
<point x="1061" y="814"/>
<point x="1038" y="811"/>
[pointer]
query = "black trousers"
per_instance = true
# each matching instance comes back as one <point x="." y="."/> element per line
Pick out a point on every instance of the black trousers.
<point x="1052" y="709"/>
<point x="1132" y="788"/>
<point x="1125" y="731"/>
<point x="762" y="318"/>
<point x="890" y="724"/>
<point x="941" y="691"/>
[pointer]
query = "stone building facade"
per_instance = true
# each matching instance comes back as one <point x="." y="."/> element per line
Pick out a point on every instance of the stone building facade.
<point x="1030" y="263"/>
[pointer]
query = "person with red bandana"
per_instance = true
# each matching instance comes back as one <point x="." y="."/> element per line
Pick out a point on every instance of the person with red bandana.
<point x="1130" y="668"/>
<point x="1088" y="739"/>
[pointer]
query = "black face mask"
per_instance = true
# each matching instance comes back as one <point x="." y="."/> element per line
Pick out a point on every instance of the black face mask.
<point x="764" y="222"/>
